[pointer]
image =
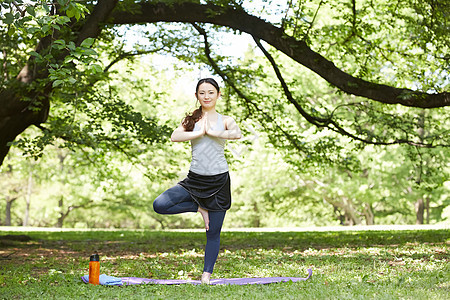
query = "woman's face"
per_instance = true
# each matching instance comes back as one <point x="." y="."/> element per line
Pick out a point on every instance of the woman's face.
<point x="207" y="95"/>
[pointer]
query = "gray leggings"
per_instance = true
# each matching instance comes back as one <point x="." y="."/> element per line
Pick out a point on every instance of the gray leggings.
<point x="177" y="200"/>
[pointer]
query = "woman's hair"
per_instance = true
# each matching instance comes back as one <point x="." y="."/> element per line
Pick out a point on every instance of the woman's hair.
<point x="189" y="121"/>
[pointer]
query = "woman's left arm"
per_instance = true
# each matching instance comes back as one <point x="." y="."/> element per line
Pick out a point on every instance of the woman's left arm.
<point x="231" y="132"/>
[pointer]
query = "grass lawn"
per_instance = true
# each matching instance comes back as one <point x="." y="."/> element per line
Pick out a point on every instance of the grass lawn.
<point x="406" y="264"/>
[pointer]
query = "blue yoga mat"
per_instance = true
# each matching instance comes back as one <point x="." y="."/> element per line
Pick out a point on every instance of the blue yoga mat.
<point x="236" y="281"/>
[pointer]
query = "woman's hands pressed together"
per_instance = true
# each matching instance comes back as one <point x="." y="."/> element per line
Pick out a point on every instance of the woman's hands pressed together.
<point x="231" y="132"/>
<point x="205" y="124"/>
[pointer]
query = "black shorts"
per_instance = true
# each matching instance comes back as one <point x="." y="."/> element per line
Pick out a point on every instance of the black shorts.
<point x="211" y="192"/>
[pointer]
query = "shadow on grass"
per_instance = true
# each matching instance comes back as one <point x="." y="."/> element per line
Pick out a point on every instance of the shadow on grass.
<point x="85" y="242"/>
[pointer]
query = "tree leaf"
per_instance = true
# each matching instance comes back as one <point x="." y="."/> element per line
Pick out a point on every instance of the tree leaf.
<point x="9" y="18"/>
<point x="71" y="12"/>
<point x="97" y="68"/>
<point x="31" y="11"/>
<point x="57" y="83"/>
<point x="11" y="30"/>
<point x="62" y="20"/>
<point x="34" y="53"/>
<point x="87" y="42"/>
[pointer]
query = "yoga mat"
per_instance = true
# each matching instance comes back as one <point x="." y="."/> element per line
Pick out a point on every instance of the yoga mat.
<point x="236" y="281"/>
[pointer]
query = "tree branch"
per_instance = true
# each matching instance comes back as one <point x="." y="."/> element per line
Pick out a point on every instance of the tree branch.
<point x="324" y="122"/>
<point x="320" y="122"/>
<point x="111" y="142"/>
<point x="311" y="24"/>
<point x="299" y="51"/>
<point x="217" y="69"/>
<point x="93" y="25"/>
<point x="128" y="55"/>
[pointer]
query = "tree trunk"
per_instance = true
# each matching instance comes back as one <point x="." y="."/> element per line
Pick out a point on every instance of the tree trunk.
<point x="16" y="115"/>
<point x="9" y="202"/>
<point x="368" y="214"/>
<point x="28" y="197"/>
<point x="419" y="207"/>
<point x="427" y="209"/>
<point x="350" y="213"/>
<point x="63" y="215"/>
<point x="61" y="218"/>
<point x="8" y="212"/>
<point x="350" y="216"/>
<point x="256" y="222"/>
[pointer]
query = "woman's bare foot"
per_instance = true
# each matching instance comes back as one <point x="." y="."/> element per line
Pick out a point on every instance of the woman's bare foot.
<point x="205" y="216"/>
<point x="206" y="278"/>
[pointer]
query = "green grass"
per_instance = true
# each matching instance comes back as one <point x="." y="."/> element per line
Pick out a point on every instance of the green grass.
<point x="346" y="264"/>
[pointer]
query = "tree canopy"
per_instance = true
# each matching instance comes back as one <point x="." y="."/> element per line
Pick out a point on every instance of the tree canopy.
<point x="390" y="52"/>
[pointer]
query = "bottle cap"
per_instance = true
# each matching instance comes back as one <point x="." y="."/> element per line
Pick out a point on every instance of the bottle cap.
<point x="94" y="257"/>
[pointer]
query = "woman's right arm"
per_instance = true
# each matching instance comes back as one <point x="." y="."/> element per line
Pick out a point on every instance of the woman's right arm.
<point x="181" y="135"/>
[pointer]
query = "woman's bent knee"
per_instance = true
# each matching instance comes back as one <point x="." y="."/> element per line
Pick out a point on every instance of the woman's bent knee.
<point x="159" y="206"/>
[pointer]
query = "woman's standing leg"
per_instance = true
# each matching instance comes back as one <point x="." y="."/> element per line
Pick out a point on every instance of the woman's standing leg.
<point x="212" y="242"/>
<point x="177" y="200"/>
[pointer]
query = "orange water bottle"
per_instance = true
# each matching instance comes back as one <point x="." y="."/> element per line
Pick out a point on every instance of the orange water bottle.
<point x="94" y="269"/>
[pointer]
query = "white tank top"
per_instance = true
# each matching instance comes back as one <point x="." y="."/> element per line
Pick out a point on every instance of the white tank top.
<point x="208" y="156"/>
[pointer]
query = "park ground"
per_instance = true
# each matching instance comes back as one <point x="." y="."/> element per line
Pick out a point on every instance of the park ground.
<point x="385" y="262"/>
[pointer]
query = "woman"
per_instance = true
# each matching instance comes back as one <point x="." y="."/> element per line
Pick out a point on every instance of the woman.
<point x="207" y="187"/>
